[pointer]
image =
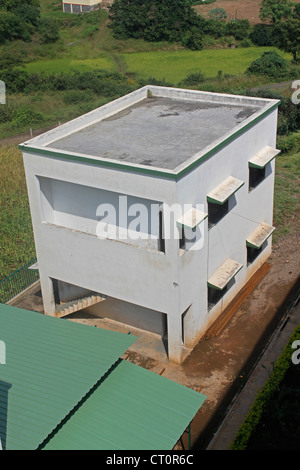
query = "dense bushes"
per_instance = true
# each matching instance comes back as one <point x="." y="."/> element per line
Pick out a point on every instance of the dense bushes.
<point x="261" y="35"/>
<point x="288" y="112"/>
<point x="100" y="82"/>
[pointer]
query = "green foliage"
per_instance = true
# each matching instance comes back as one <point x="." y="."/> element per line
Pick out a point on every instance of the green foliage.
<point x="5" y="113"/>
<point x="154" y="81"/>
<point x="18" y="19"/>
<point x="155" y="20"/>
<point x="193" y="79"/>
<point x="271" y="65"/>
<point x="288" y="112"/>
<point x="48" y="30"/>
<point x="25" y="116"/>
<point x="218" y="14"/>
<point x="15" y="80"/>
<point x="11" y="5"/>
<point x="264" y="397"/>
<point x="214" y="28"/>
<point x="239" y="29"/>
<point x="29" y="14"/>
<point x="9" y="61"/>
<point x="288" y="143"/>
<point x="90" y="31"/>
<point x="100" y="82"/>
<point x="275" y="10"/>
<point x="193" y="39"/>
<point x="77" y="96"/>
<point x="296" y="11"/>
<point x="287" y="36"/>
<point x="261" y="35"/>
<point x="11" y="28"/>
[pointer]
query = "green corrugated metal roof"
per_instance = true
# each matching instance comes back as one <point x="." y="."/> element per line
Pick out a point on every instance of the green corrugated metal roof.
<point x="50" y="365"/>
<point x="132" y="409"/>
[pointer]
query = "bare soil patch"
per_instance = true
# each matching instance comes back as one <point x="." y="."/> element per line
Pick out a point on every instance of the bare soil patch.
<point x="238" y="9"/>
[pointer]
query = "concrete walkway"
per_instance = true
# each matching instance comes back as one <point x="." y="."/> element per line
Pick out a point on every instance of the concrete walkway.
<point x="243" y="402"/>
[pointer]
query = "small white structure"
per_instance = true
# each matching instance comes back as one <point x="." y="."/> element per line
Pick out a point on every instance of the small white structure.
<point x="80" y="6"/>
<point x="160" y="202"/>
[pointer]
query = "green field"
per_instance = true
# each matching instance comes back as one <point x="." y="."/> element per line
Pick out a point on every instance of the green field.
<point x="172" y="66"/>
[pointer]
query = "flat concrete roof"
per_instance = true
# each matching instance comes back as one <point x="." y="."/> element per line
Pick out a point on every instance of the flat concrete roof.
<point x="159" y="130"/>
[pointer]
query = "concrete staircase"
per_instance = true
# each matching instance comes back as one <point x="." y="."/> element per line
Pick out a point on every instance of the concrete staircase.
<point x="75" y="305"/>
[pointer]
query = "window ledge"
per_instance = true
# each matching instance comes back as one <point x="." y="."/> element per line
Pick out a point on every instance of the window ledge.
<point x="223" y="191"/>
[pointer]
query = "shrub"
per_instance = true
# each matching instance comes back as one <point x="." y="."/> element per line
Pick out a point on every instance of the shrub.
<point x="270" y="64"/>
<point x="193" y="79"/>
<point x="25" y="116"/>
<point x="48" y="30"/>
<point x="15" y="80"/>
<point x="289" y="142"/>
<point x="217" y="14"/>
<point x="5" y="113"/>
<point x="90" y="31"/>
<point x="246" y="43"/>
<point x="193" y="40"/>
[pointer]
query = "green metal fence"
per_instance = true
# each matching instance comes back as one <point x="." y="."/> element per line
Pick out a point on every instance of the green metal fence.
<point x="18" y="281"/>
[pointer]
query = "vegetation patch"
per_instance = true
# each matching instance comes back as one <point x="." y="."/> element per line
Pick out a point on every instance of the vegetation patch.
<point x="273" y="423"/>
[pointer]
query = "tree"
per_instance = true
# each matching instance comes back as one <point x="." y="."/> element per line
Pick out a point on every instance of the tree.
<point x="287" y="36"/>
<point x="11" y="5"/>
<point x="275" y="10"/>
<point x="155" y="20"/>
<point x="11" y="28"/>
<point x="296" y="11"/>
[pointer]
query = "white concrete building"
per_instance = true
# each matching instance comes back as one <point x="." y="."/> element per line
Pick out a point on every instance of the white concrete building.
<point x="161" y="202"/>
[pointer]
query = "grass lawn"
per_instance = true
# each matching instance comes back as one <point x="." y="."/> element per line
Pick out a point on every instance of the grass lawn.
<point x="175" y="65"/>
<point x="16" y="237"/>
<point x="286" y="192"/>
<point x="172" y="66"/>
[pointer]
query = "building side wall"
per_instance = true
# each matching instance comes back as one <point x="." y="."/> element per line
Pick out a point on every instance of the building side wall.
<point x="227" y="239"/>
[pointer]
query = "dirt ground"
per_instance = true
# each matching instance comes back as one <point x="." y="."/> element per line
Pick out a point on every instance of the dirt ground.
<point x="235" y="9"/>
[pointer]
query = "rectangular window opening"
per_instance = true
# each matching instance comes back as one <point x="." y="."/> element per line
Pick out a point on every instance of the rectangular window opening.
<point x="161" y="240"/>
<point x="216" y="212"/>
<point x="253" y="253"/>
<point x="256" y="176"/>
<point x="181" y="238"/>
<point x="215" y="295"/>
